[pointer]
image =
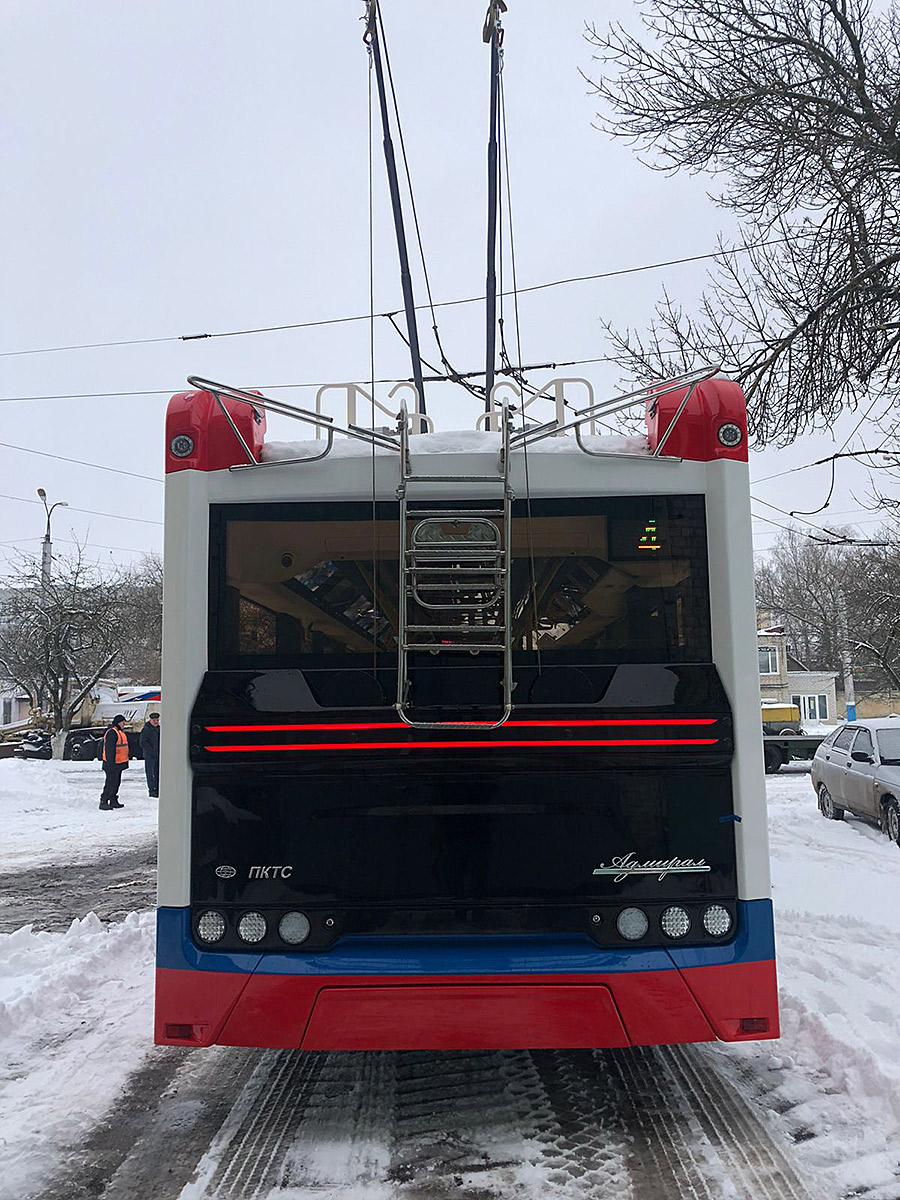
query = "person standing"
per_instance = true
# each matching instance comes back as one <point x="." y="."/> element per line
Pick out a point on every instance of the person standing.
<point x="150" y="751"/>
<point x="115" y="761"/>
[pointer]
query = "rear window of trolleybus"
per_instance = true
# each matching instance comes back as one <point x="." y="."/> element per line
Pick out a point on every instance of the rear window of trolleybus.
<point x="593" y="581"/>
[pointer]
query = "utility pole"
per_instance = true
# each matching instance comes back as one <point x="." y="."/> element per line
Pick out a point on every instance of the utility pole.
<point x="846" y="660"/>
<point x="47" y="547"/>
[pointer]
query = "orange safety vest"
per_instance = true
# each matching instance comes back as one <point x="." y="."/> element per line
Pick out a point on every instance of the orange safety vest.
<point x="121" y="747"/>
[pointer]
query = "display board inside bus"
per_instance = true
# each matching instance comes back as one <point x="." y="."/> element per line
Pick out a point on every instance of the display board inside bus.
<point x="600" y="580"/>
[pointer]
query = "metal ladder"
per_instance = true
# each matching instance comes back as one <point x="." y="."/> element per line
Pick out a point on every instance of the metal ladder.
<point x="455" y="563"/>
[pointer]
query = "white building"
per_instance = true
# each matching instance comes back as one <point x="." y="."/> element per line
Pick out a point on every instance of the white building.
<point x="782" y="677"/>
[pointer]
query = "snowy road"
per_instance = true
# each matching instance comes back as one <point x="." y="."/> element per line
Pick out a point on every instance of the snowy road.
<point x="87" y="1108"/>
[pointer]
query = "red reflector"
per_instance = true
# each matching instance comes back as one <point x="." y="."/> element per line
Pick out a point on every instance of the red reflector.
<point x="754" y="1024"/>
<point x="182" y="1033"/>
<point x="357" y="725"/>
<point x="486" y="745"/>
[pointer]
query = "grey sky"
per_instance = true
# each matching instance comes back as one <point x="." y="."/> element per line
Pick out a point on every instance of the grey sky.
<point x="176" y="168"/>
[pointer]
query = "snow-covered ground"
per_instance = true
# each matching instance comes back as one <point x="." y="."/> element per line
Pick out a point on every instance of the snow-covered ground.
<point x="833" y="1082"/>
<point x="75" y="1007"/>
<point x="49" y="813"/>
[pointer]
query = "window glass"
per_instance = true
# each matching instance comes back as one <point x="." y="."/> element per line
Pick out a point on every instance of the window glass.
<point x="823" y="708"/>
<point x="593" y="580"/>
<point x="844" y="738"/>
<point x="768" y="660"/>
<point x="889" y="744"/>
<point x="864" y="742"/>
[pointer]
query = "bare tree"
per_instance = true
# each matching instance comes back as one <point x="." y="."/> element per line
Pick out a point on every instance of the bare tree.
<point x="795" y="106"/>
<point x="877" y="612"/>
<point x="141" y="598"/>
<point x="58" y="638"/>
<point x="801" y="584"/>
<point x="805" y="582"/>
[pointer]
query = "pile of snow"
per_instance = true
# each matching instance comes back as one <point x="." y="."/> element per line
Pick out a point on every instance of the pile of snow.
<point x="75" y="1016"/>
<point x="834" y="1078"/>
<point x="465" y="441"/>
<point x="49" y="812"/>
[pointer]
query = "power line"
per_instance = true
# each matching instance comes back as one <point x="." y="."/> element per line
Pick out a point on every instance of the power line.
<point x="818" y="528"/>
<point x="74" y="542"/>
<point x="828" y="540"/>
<point x="274" y="387"/>
<point x="537" y="287"/>
<point x="822" y="461"/>
<point x="81" y="463"/>
<point x="90" y="511"/>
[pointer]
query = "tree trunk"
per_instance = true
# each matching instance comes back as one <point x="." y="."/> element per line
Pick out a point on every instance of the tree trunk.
<point x="58" y="743"/>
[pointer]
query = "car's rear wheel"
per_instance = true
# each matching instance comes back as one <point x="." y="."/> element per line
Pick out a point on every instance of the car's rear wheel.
<point x="773" y="759"/>
<point x="827" y="806"/>
<point x="892" y="820"/>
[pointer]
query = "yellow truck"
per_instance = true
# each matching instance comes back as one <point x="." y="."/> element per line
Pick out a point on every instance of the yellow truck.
<point x="783" y="736"/>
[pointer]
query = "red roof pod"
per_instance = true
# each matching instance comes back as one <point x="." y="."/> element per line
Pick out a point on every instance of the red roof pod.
<point x="199" y="437"/>
<point x="713" y="425"/>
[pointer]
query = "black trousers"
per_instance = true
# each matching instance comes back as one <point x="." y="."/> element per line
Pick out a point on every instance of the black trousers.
<point x="113" y="773"/>
<point x="151" y="766"/>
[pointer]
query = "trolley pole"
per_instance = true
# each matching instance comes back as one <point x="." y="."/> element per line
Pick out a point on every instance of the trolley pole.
<point x="493" y="33"/>
<point x="846" y="660"/>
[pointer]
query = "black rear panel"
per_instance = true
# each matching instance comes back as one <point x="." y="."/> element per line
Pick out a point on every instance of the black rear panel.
<point x="548" y="824"/>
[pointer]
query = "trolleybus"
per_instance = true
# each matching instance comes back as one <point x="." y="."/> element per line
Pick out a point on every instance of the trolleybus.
<point x="462" y="744"/>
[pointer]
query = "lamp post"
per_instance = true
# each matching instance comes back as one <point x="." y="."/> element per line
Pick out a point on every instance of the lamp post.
<point x="47" y="548"/>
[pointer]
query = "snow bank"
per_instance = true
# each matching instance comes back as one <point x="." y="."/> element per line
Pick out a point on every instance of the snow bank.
<point x="465" y="441"/>
<point x="49" y="813"/>
<point x="833" y="1082"/>
<point x="74" y="1022"/>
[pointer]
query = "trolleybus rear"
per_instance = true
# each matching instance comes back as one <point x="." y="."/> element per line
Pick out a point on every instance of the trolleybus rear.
<point x="462" y="745"/>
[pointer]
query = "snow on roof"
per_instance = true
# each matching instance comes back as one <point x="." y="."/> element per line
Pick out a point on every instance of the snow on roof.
<point x="464" y="441"/>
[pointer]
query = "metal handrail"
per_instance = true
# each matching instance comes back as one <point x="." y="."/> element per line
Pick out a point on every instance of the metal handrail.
<point x="283" y="409"/>
<point x="606" y="408"/>
<point x="352" y="390"/>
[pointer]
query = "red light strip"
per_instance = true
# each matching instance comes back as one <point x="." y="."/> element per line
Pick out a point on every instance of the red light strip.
<point x="487" y="724"/>
<point x="485" y="745"/>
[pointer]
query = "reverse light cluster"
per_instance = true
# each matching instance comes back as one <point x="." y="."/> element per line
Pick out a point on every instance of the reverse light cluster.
<point x="674" y="922"/>
<point x="252" y="927"/>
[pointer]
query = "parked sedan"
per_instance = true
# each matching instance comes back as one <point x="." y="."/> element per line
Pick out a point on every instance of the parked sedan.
<point x="857" y="768"/>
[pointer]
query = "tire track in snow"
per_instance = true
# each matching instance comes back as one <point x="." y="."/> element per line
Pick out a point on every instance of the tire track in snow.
<point x="646" y="1124"/>
<point x="747" y="1149"/>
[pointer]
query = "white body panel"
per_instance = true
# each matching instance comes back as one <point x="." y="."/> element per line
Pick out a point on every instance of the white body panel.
<point x="732" y="604"/>
<point x="185" y="620"/>
<point x="554" y="470"/>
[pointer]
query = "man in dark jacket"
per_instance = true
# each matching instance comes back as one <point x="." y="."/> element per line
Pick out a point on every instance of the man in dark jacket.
<point x="150" y="751"/>
<point x="115" y="760"/>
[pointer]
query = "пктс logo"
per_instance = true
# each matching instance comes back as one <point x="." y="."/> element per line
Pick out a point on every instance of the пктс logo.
<point x="226" y="872"/>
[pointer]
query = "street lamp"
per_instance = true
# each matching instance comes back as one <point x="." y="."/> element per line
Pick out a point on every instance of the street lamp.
<point x="47" y="548"/>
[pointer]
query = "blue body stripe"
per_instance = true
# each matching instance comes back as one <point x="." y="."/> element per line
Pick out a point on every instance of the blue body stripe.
<point x="519" y="954"/>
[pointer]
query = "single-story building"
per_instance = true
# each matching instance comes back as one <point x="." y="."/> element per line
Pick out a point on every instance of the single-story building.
<point x="15" y="705"/>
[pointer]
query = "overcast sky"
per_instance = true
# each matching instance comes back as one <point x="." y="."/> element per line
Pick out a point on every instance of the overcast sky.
<point x="193" y="167"/>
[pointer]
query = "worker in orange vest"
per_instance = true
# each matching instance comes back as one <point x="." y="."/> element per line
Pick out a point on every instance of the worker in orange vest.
<point x="115" y="761"/>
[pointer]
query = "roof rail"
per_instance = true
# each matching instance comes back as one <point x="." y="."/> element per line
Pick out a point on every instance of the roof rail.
<point x="318" y="420"/>
<point x="690" y="380"/>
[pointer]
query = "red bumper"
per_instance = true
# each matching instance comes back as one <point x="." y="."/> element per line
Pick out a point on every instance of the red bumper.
<point x="643" y="1008"/>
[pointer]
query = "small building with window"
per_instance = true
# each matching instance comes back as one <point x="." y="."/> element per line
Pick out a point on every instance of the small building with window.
<point x="784" y="678"/>
<point x="15" y="705"/>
